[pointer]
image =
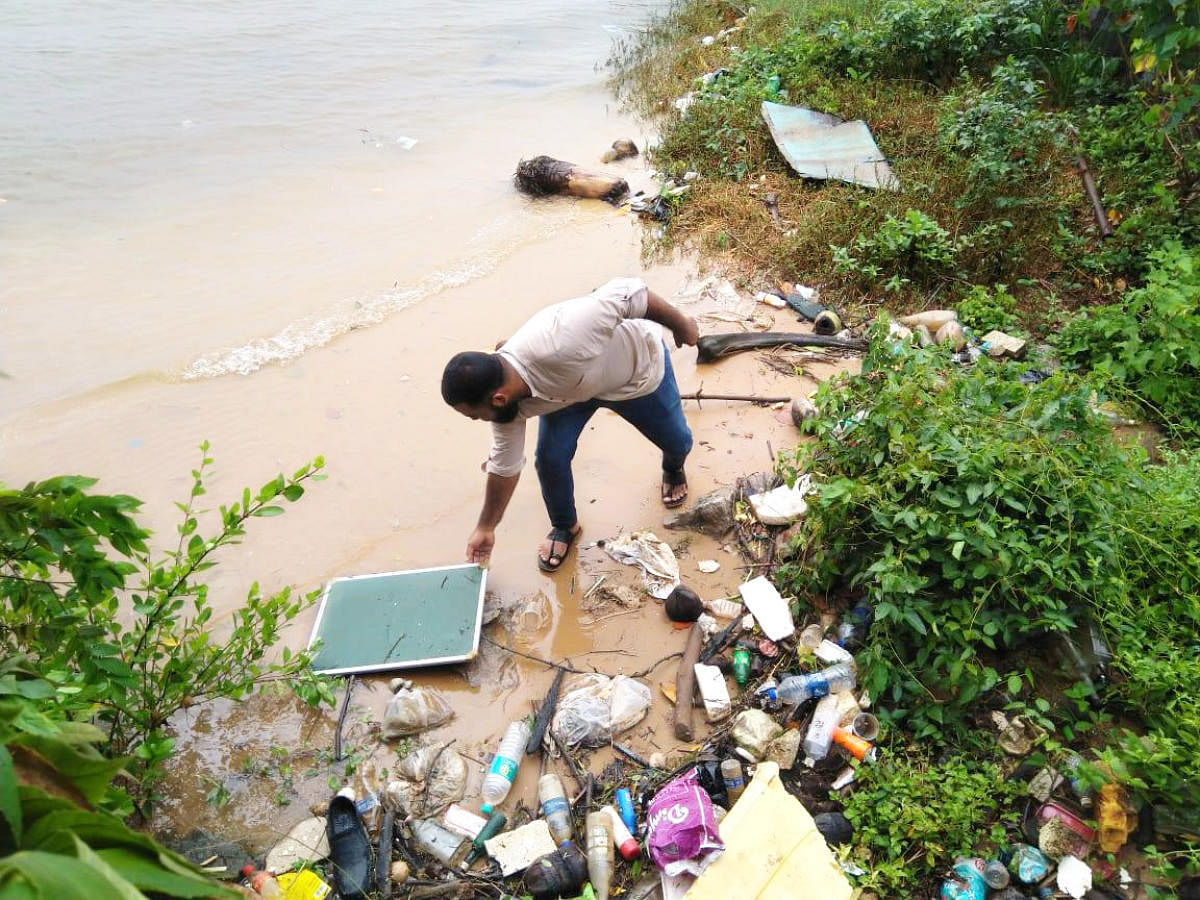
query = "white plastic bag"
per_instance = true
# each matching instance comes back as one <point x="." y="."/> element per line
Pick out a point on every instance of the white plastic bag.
<point x="630" y="701"/>
<point x="412" y="710"/>
<point x="784" y="504"/>
<point x="594" y="707"/>
<point x="660" y="569"/>
<point x="427" y="781"/>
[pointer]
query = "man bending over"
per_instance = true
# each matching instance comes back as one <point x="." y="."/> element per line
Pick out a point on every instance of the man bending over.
<point x="569" y="360"/>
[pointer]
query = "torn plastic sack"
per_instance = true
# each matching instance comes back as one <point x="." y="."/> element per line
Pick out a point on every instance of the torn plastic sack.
<point x="660" y="569"/>
<point x="427" y="781"/>
<point x="593" y="708"/>
<point x="412" y="710"/>
<point x="681" y="829"/>
<point x="784" y="504"/>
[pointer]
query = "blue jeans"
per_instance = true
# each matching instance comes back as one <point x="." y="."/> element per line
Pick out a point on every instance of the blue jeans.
<point x="658" y="416"/>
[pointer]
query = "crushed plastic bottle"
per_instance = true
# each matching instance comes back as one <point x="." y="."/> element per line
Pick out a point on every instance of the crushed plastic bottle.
<point x="798" y="688"/>
<point x="503" y="770"/>
<point x="735" y="781"/>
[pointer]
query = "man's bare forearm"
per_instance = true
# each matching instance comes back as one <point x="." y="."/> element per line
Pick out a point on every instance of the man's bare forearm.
<point x="683" y="327"/>
<point x="497" y="493"/>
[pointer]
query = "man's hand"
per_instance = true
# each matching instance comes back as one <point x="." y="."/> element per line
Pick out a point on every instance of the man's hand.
<point x="480" y="544"/>
<point x="683" y="327"/>
<point x="686" y="332"/>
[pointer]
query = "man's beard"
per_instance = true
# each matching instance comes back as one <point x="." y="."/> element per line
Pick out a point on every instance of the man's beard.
<point x="506" y="414"/>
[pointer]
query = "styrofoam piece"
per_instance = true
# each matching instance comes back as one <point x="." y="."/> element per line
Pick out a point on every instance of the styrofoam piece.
<point x="828" y="651"/>
<point x="769" y="608"/>
<point x="1074" y="876"/>
<point x="515" y="850"/>
<point x="715" y="693"/>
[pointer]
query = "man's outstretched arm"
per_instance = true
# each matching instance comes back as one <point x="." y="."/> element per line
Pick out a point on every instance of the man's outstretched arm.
<point x="683" y="327"/>
<point x="497" y="493"/>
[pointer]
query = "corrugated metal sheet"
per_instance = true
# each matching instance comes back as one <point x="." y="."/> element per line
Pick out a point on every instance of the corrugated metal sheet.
<point x="818" y="145"/>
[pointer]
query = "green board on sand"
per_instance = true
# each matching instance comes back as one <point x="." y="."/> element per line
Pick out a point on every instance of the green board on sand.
<point x="399" y="620"/>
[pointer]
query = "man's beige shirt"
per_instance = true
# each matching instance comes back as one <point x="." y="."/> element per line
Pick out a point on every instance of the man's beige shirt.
<point x="595" y="347"/>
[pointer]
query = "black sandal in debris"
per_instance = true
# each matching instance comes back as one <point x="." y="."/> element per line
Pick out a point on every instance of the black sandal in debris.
<point x="670" y="481"/>
<point x="557" y="536"/>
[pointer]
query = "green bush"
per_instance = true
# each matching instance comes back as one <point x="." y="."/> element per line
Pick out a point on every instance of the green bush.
<point x="1006" y="142"/>
<point x="1143" y="177"/>
<point x="1149" y="343"/>
<point x="127" y="656"/>
<point x="974" y="511"/>
<point x="912" y="816"/>
<point x="1154" y="627"/>
<point x="984" y="309"/>
<point x="915" y="249"/>
<point x="936" y="39"/>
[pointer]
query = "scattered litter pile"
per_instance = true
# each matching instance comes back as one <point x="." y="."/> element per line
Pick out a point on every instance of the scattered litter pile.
<point x="750" y="805"/>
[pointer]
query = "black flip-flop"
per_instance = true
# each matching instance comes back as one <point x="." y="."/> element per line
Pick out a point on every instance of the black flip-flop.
<point x="349" y="850"/>
<point x="557" y="536"/>
<point x="673" y="479"/>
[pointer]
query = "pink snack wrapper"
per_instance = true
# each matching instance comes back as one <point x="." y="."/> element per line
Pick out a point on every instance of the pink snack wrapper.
<point x="681" y="830"/>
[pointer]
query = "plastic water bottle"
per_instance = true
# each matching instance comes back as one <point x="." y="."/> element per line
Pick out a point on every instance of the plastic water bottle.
<point x="798" y="688"/>
<point x="735" y="781"/>
<point x="820" y="732"/>
<point x="995" y="873"/>
<point x="600" y="853"/>
<point x="725" y="608"/>
<point x="555" y="808"/>
<point x="503" y="771"/>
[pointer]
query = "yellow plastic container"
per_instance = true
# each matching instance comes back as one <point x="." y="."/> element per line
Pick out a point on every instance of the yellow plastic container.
<point x="305" y="885"/>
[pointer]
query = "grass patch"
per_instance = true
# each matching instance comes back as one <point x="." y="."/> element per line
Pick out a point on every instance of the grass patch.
<point x="982" y="109"/>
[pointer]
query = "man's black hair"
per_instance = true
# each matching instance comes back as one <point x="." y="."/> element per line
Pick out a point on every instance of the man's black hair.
<point x="471" y="378"/>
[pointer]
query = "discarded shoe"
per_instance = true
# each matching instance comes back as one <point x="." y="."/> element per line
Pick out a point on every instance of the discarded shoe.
<point x="349" y="850"/>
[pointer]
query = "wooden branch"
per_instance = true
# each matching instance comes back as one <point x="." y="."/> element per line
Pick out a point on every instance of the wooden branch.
<point x="685" y="684"/>
<point x="748" y="398"/>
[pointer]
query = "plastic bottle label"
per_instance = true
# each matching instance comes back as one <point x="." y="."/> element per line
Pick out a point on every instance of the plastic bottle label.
<point x="504" y="767"/>
<point x="553" y="805"/>
<point x="819" y="687"/>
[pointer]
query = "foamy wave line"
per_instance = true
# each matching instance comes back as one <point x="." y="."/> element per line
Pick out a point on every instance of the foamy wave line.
<point x="307" y="334"/>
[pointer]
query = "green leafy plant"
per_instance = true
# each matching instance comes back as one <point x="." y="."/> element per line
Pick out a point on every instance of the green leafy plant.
<point x="974" y="511"/>
<point x="984" y="309"/>
<point x="907" y="249"/>
<point x="54" y="840"/>
<point x="936" y="39"/>
<point x="128" y="654"/>
<point x="1007" y="143"/>
<point x="1149" y="344"/>
<point x="911" y="815"/>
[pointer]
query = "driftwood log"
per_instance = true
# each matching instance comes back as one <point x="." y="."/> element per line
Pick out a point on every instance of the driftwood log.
<point x="712" y="347"/>
<point x="621" y="149"/>
<point x="544" y="175"/>
<point x="685" y="684"/>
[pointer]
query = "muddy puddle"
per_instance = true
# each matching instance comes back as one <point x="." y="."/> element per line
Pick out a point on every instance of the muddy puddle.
<point x="248" y="771"/>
